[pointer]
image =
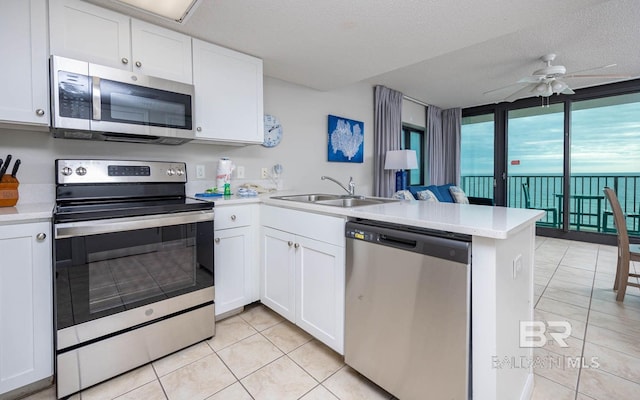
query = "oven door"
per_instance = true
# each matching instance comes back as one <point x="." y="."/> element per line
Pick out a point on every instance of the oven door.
<point x="108" y="272"/>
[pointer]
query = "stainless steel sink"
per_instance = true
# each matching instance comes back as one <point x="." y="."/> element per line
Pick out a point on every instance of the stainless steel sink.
<point x="354" y="202"/>
<point x="336" y="200"/>
<point x="308" y="198"/>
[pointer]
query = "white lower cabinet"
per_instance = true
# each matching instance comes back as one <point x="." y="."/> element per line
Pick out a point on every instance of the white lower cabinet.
<point x="303" y="271"/>
<point x="26" y="305"/>
<point x="235" y="257"/>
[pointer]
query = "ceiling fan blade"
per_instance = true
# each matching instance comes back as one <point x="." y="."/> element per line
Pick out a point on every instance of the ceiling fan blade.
<point x="520" y="93"/>
<point x="598" y="76"/>
<point x="532" y="79"/>
<point x="501" y="88"/>
<point x="591" y="69"/>
<point x="568" y="91"/>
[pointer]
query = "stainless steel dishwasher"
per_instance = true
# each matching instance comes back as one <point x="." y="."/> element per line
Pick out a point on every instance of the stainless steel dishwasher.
<point x="407" y="322"/>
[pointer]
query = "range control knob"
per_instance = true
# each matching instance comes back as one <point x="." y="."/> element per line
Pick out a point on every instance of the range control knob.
<point x="66" y="171"/>
<point x="179" y="171"/>
<point x="171" y="172"/>
<point x="81" y="171"/>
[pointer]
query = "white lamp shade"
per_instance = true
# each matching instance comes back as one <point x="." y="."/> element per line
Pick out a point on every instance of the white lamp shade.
<point x="401" y="159"/>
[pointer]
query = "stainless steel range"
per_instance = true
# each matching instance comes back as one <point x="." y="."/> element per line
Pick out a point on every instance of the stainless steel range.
<point x="133" y="267"/>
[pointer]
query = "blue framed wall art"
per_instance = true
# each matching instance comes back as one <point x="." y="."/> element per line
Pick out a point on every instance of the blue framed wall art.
<point x="345" y="140"/>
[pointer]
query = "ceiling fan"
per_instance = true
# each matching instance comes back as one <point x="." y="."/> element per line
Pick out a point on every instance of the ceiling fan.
<point x="551" y="79"/>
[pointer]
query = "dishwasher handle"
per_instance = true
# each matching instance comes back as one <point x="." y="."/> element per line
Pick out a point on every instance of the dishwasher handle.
<point x="396" y="241"/>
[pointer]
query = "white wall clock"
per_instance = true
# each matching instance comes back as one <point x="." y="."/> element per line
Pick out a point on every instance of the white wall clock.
<point x="272" y="131"/>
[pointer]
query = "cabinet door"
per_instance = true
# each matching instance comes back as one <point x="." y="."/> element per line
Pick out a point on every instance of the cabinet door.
<point x="26" y="311"/>
<point x="160" y="52"/>
<point x="278" y="272"/>
<point x="86" y="32"/>
<point x="232" y="263"/>
<point x="229" y="103"/>
<point x="25" y="68"/>
<point x="320" y="279"/>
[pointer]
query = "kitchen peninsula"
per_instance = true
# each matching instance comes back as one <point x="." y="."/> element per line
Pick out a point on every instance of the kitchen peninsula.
<point x="503" y="241"/>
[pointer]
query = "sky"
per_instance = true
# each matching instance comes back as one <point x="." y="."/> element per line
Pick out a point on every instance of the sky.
<point x="604" y="139"/>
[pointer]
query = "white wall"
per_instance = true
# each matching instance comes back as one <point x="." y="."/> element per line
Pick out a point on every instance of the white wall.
<point x="302" y="152"/>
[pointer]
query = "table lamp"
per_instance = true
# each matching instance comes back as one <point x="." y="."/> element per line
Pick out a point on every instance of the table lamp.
<point x="402" y="160"/>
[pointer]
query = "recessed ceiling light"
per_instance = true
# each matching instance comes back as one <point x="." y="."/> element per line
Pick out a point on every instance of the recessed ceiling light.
<point x="176" y="10"/>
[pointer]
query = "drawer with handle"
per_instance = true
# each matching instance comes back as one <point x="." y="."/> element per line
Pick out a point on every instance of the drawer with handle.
<point x="232" y="217"/>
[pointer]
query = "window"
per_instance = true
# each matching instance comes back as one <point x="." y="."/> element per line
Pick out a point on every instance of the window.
<point x="413" y="139"/>
<point x="476" y="155"/>
<point x="565" y="153"/>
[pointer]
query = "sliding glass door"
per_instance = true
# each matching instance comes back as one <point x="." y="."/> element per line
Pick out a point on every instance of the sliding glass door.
<point x="605" y="151"/>
<point x="535" y="159"/>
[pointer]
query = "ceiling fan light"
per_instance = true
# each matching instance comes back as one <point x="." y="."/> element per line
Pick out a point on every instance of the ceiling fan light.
<point x="540" y="88"/>
<point x="558" y="86"/>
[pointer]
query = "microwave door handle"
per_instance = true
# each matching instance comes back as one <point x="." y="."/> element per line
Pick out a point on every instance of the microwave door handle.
<point x="96" y="100"/>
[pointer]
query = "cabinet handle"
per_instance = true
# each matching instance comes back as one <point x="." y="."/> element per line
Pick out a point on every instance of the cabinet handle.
<point x="138" y="64"/>
<point x="39" y="112"/>
<point x="233" y="217"/>
<point x="296" y="245"/>
<point x="199" y="129"/>
<point x="125" y="60"/>
<point x="290" y="243"/>
<point x="41" y="236"/>
<point x="217" y="240"/>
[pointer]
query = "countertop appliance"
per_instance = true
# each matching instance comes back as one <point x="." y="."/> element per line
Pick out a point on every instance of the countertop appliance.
<point x="407" y="321"/>
<point x="95" y="102"/>
<point x="133" y="267"/>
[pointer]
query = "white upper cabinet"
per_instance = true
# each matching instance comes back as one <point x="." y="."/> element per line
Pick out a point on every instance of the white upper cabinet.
<point x="161" y="52"/>
<point x="23" y="49"/>
<point x="229" y="103"/>
<point x="83" y="31"/>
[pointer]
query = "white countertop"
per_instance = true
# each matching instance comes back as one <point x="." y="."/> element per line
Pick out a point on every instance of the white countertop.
<point x="469" y="219"/>
<point x="29" y="212"/>
<point x="231" y="200"/>
<point x="486" y="221"/>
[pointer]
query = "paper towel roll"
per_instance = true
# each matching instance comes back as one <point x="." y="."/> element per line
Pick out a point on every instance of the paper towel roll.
<point x="223" y="175"/>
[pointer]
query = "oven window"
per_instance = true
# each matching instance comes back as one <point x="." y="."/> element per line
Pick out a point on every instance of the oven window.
<point x="100" y="275"/>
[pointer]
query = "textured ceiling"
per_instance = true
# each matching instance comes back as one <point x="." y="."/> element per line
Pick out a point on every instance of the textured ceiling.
<point x="443" y="52"/>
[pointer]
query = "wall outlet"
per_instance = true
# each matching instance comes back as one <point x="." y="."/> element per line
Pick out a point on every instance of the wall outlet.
<point x="240" y="172"/>
<point x="265" y="173"/>
<point x="200" y="172"/>
<point x="517" y="266"/>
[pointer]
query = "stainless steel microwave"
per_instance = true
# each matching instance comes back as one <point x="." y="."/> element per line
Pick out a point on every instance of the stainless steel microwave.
<point x="95" y="102"/>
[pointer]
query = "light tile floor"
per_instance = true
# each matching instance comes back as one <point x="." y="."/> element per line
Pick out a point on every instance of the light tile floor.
<point x="573" y="282"/>
<point x="257" y="355"/>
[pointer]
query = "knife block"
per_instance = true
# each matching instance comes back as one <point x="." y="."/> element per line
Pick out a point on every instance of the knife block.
<point x="8" y="191"/>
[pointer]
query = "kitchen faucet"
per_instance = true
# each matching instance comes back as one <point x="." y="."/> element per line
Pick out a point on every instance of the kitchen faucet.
<point x="352" y="186"/>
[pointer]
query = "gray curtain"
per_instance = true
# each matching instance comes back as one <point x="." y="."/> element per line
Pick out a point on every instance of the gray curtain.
<point x="443" y="143"/>
<point x="387" y="128"/>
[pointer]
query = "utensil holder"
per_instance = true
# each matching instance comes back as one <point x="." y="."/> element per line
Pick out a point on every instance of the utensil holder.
<point x="8" y="191"/>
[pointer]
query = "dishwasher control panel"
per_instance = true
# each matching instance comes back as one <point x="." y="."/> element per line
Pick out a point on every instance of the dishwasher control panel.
<point x="360" y="234"/>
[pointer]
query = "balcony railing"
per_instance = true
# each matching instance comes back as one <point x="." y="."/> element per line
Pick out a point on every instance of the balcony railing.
<point x="545" y="191"/>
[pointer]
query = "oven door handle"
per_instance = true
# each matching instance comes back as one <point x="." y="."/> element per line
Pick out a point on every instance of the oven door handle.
<point x="87" y="228"/>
